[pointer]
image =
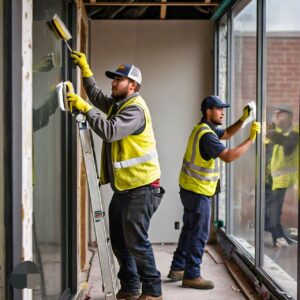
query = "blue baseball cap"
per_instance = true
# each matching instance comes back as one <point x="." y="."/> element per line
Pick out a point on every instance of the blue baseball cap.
<point x="213" y="101"/>
<point x="126" y="70"/>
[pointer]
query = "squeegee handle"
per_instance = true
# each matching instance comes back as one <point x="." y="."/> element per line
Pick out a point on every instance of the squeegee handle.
<point x="70" y="49"/>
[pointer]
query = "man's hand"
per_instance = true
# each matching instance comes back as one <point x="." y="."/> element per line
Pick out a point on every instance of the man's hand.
<point x="77" y="102"/>
<point x="254" y="130"/>
<point x="271" y="134"/>
<point x="80" y="60"/>
<point x="246" y="112"/>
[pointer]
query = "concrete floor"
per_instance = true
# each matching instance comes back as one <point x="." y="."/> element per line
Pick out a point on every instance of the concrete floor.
<point x="213" y="268"/>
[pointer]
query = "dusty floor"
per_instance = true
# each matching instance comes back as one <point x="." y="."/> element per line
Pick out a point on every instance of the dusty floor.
<point x="213" y="268"/>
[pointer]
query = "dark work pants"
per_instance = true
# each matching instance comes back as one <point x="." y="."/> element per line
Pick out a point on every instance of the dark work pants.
<point x="273" y="211"/>
<point x="129" y="219"/>
<point x="194" y="234"/>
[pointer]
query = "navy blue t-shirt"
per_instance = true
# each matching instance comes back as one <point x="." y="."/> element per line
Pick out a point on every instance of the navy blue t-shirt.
<point x="210" y="144"/>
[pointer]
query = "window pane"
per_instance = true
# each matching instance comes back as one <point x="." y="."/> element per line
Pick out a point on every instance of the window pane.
<point x="47" y="149"/>
<point x="222" y="92"/>
<point x="242" y="193"/>
<point x="282" y="141"/>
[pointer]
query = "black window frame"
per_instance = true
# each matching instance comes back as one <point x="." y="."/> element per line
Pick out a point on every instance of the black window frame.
<point x="12" y="67"/>
<point x="253" y="269"/>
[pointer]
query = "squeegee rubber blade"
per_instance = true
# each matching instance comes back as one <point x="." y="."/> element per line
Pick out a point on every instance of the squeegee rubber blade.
<point x="61" y="28"/>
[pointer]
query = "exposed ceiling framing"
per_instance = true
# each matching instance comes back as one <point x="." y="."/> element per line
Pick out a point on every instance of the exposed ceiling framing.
<point x="156" y="9"/>
<point x="163" y="9"/>
<point x="163" y="3"/>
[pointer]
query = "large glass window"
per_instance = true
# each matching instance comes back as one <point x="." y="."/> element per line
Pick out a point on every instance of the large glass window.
<point x="282" y="141"/>
<point x="222" y="92"/>
<point x="243" y="85"/>
<point x="47" y="151"/>
<point x="279" y="154"/>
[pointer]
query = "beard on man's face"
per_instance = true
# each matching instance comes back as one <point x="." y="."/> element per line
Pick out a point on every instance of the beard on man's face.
<point x="119" y="96"/>
<point x="116" y="98"/>
<point x="216" y="121"/>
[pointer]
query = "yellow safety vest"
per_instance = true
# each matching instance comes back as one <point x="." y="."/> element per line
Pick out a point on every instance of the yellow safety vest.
<point x="134" y="157"/>
<point x="284" y="169"/>
<point x="197" y="174"/>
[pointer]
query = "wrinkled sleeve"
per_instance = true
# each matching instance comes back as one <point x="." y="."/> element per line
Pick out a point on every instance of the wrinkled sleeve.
<point x="98" y="99"/>
<point x="210" y="146"/>
<point x="288" y="142"/>
<point x="127" y="122"/>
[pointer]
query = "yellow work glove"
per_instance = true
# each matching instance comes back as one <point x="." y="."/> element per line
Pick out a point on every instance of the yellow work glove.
<point x="76" y="101"/>
<point x="70" y="87"/>
<point x="80" y="60"/>
<point x="254" y="130"/>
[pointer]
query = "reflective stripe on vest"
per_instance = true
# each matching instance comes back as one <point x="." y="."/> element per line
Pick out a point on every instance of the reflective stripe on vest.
<point x="134" y="161"/>
<point x="195" y="144"/>
<point x="284" y="168"/>
<point x="193" y="157"/>
<point x="202" y="169"/>
<point x="197" y="174"/>
<point x="290" y="170"/>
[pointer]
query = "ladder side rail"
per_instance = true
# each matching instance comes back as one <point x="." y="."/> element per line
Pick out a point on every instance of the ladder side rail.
<point x="113" y="266"/>
<point x="98" y="215"/>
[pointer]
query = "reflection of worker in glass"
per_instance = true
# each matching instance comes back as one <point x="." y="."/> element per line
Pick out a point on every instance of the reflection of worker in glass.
<point x="283" y="147"/>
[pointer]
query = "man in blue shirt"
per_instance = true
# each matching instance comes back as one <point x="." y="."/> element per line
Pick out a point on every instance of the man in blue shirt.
<point x="198" y="182"/>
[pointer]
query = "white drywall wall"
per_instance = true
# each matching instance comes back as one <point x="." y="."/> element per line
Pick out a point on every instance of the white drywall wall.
<point x="176" y="61"/>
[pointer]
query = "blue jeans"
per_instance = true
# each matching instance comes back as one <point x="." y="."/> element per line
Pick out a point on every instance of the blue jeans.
<point x="273" y="212"/>
<point x="194" y="234"/>
<point x="129" y="219"/>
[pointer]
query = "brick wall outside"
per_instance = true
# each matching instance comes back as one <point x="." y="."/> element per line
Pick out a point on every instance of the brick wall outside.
<point x="282" y="72"/>
<point x="283" y="86"/>
<point x="244" y="70"/>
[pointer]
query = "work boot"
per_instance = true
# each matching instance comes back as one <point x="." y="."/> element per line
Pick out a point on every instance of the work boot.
<point x="281" y="242"/>
<point x="198" y="283"/>
<point x="121" y="295"/>
<point x="175" y="275"/>
<point x="290" y="240"/>
<point x="148" y="297"/>
<point x="292" y="232"/>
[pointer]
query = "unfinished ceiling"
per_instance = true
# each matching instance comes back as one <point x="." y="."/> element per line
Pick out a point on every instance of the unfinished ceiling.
<point x="156" y="9"/>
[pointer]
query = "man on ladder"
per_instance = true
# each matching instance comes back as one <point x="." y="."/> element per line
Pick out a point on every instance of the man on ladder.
<point x="130" y="164"/>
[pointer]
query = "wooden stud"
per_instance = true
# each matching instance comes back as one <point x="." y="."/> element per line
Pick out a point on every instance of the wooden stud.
<point x="163" y="10"/>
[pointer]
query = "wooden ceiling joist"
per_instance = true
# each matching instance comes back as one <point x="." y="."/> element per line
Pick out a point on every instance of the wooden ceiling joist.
<point x="163" y="9"/>
<point x="151" y="4"/>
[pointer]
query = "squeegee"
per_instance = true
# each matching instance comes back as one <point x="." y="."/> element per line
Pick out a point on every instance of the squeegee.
<point x="60" y="28"/>
<point x="62" y="90"/>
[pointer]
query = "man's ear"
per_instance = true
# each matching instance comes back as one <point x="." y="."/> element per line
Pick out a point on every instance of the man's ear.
<point x="133" y="85"/>
<point x="208" y="112"/>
